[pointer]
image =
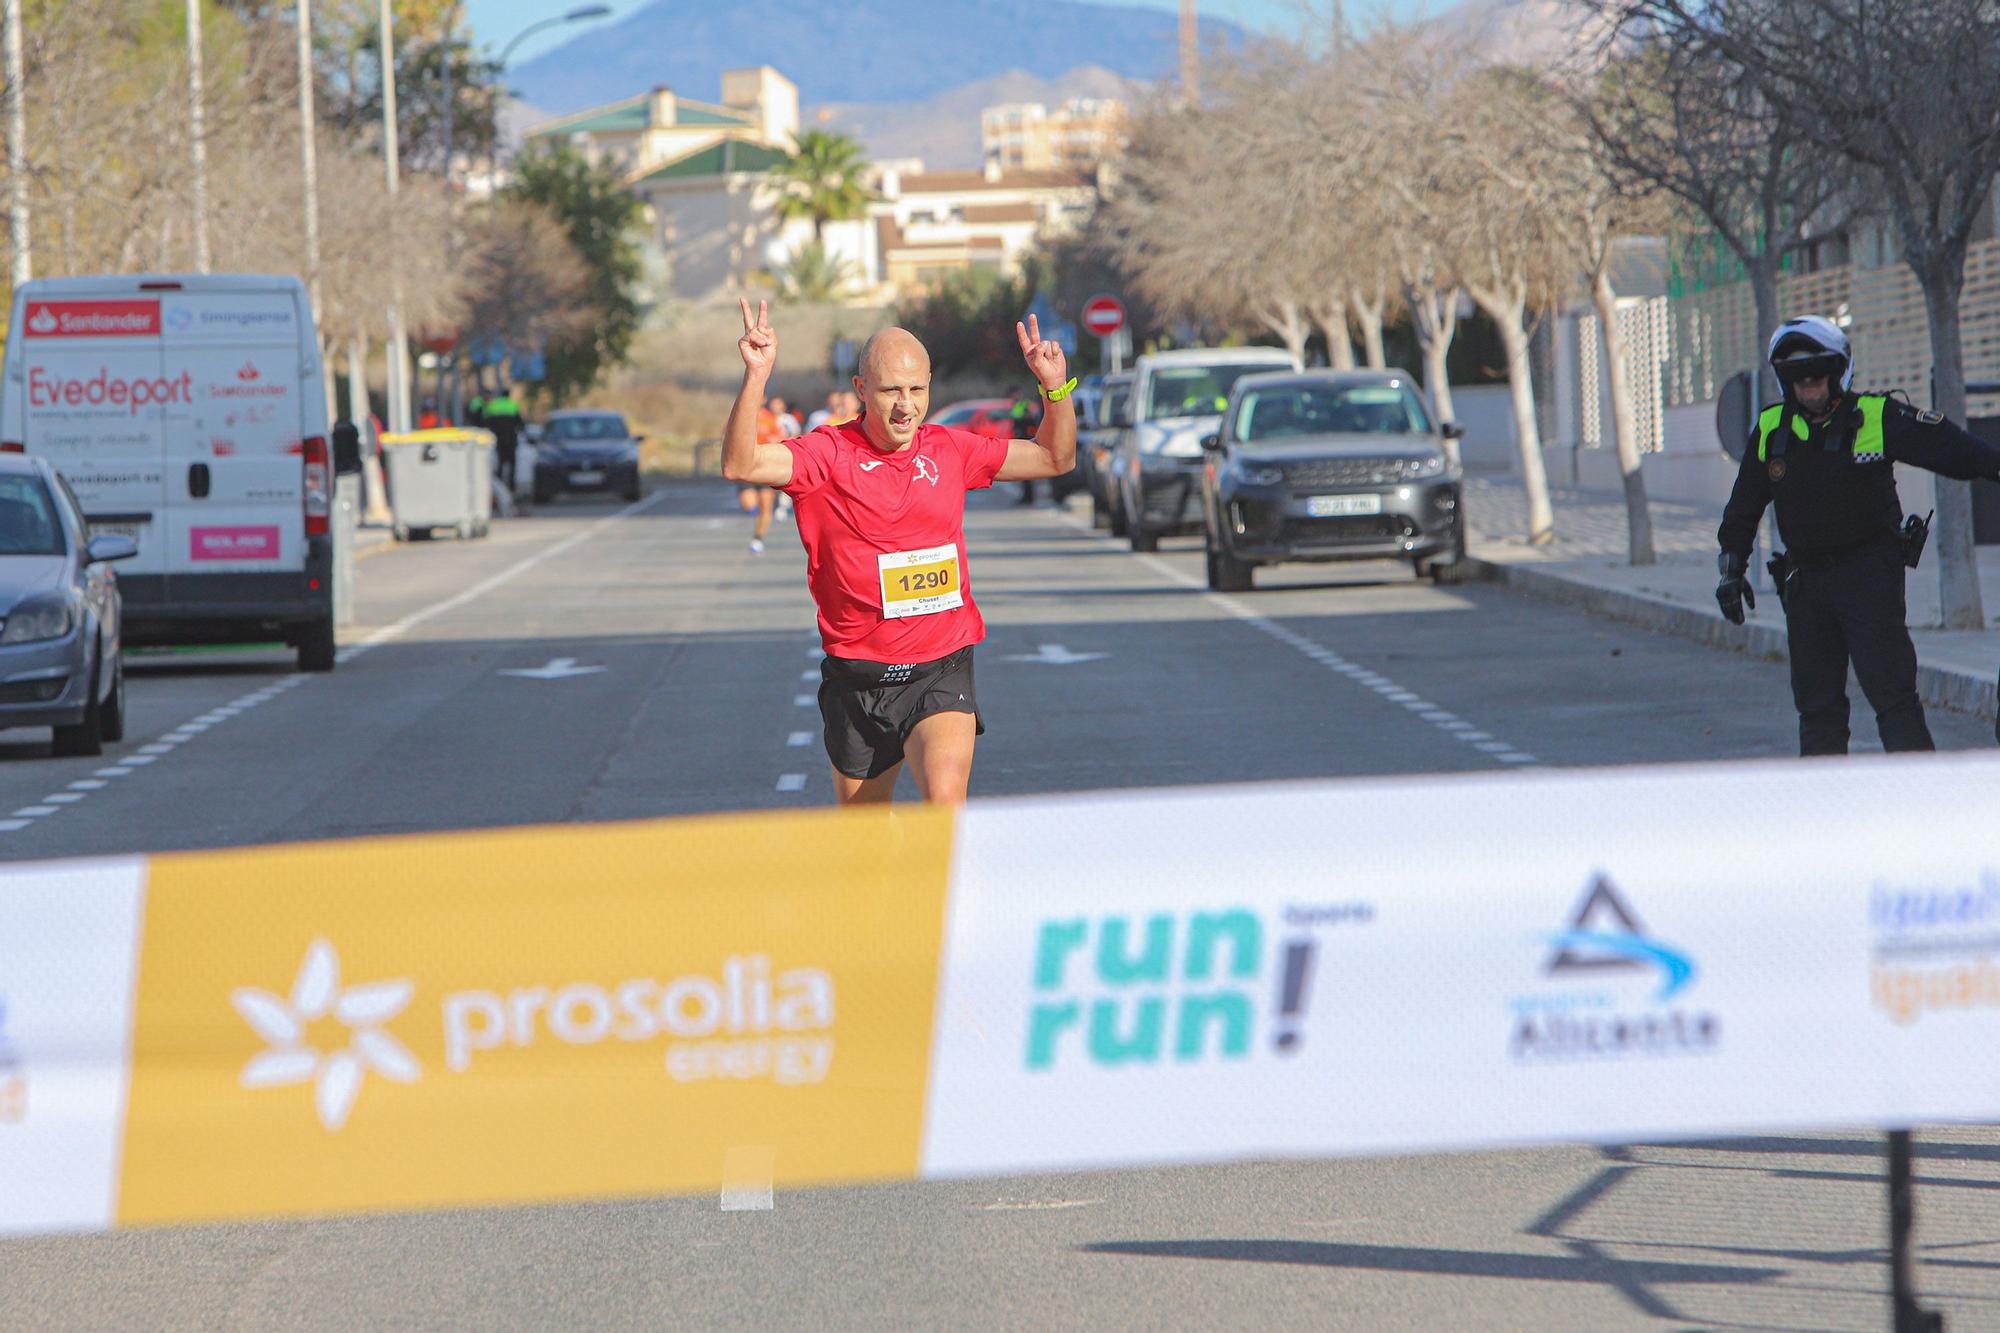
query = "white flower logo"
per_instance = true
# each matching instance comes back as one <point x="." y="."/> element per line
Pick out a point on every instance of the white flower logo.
<point x="316" y="993"/>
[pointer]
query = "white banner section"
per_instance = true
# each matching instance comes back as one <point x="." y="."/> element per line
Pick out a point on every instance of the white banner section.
<point x="1415" y="964"/>
<point x="69" y="945"/>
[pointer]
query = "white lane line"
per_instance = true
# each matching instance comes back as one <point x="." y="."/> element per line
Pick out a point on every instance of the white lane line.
<point x="804" y="700"/>
<point x="34" y="811"/>
<point x="791" y="782"/>
<point x="798" y="738"/>
<point x="1380" y="684"/>
<point x="812" y="674"/>
<point x="187" y="731"/>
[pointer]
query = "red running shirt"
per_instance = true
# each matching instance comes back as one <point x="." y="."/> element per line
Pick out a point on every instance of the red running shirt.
<point x="864" y="515"/>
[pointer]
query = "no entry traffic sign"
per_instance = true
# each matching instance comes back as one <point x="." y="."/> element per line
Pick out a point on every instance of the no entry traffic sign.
<point x="1103" y="315"/>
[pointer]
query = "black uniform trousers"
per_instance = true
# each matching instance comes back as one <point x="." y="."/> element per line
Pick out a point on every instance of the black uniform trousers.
<point x="1852" y="609"/>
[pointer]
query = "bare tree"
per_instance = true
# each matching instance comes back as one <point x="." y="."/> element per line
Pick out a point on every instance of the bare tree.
<point x="1908" y="91"/>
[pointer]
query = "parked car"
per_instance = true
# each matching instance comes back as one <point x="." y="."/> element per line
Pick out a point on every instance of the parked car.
<point x="187" y="411"/>
<point x="1096" y="443"/>
<point x="1330" y="465"/>
<point x="982" y="416"/>
<point x="586" y="449"/>
<point x="62" y="658"/>
<point x="1177" y="398"/>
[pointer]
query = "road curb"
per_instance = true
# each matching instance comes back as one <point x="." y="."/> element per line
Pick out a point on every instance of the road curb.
<point x="1939" y="687"/>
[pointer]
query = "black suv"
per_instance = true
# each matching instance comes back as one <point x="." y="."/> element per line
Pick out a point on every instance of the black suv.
<point x="1330" y="465"/>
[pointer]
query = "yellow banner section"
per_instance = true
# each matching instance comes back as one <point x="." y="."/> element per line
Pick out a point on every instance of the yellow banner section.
<point x="536" y="1014"/>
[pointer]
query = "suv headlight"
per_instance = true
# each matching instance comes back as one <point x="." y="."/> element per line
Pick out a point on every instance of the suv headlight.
<point x="1424" y="467"/>
<point x="33" y="622"/>
<point x="1260" y="474"/>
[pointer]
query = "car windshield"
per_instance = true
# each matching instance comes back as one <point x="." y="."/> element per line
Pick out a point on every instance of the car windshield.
<point x="28" y="523"/>
<point x="1194" y="391"/>
<point x="601" y="426"/>
<point x="1287" y="410"/>
<point x="1111" y="409"/>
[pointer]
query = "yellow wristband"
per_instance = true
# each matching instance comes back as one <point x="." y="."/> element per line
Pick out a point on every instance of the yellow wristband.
<point x="1057" y="395"/>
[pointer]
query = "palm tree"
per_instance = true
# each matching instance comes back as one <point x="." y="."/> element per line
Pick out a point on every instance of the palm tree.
<point x="815" y="277"/>
<point x="822" y="181"/>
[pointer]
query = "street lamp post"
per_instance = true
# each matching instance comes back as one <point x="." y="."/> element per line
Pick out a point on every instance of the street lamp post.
<point x="399" y="342"/>
<point x="580" y="14"/>
<point x="198" y="135"/>
<point x="17" y="150"/>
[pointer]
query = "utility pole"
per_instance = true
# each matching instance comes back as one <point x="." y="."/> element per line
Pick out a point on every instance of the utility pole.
<point x="399" y="342"/>
<point x="17" y="150"/>
<point x="309" y="166"/>
<point x="1190" y="53"/>
<point x="199" y="137"/>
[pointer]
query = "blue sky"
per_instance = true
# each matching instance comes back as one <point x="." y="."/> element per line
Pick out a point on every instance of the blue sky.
<point x="494" y="22"/>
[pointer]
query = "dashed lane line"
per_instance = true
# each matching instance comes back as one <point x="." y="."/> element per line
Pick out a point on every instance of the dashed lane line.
<point x="1424" y="709"/>
<point x="161" y="746"/>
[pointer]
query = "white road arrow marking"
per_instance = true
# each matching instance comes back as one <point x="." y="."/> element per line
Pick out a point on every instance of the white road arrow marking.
<point x="557" y="669"/>
<point x="1054" y="654"/>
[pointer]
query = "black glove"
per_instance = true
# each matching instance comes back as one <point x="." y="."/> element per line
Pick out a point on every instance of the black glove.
<point x="1734" y="591"/>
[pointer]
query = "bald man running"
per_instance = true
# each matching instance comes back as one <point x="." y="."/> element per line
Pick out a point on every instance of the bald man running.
<point x="881" y="511"/>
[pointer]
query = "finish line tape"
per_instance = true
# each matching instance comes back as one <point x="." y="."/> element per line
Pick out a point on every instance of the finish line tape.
<point x="1107" y="981"/>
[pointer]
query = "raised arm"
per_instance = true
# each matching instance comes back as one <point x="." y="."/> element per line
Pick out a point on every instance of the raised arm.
<point x="743" y="459"/>
<point x="1053" y="450"/>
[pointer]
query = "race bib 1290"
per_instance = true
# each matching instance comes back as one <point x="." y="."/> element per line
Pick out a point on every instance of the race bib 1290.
<point x="920" y="583"/>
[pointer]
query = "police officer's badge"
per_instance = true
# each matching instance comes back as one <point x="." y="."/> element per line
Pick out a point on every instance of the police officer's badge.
<point x="1930" y="418"/>
<point x="1777" y="469"/>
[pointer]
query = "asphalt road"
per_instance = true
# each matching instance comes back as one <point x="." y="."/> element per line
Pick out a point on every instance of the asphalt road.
<point x="675" y="676"/>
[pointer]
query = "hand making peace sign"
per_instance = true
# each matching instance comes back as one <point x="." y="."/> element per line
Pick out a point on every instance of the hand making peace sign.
<point x="759" y="343"/>
<point x="1045" y="359"/>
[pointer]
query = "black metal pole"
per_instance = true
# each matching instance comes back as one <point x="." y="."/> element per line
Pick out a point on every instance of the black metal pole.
<point x="1910" y="1316"/>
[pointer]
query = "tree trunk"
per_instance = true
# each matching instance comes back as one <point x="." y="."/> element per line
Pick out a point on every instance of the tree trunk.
<point x="1763" y="270"/>
<point x="1508" y="310"/>
<point x="1434" y="315"/>
<point x="1625" y="426"/>
<point x="1284" y="318"/>
<point x="1368" y="313"/>
<point x="1958" y="569"/>
<point x="1331" y="315"/>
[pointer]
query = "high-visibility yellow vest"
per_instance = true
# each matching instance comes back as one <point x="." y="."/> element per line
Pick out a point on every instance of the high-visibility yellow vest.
<point x="1867" y="440"/>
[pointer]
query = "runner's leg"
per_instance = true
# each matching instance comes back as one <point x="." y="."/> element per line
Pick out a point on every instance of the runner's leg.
<point x="767" y="500"/>
<point x="865" y="791"/>
<point x="939" y="751"/>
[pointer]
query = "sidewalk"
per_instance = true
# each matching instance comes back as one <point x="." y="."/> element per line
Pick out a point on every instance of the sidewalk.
<point x="1586" y="567"/>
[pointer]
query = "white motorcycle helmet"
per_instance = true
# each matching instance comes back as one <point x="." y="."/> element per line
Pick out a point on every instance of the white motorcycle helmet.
<point x="1809" y="346"/>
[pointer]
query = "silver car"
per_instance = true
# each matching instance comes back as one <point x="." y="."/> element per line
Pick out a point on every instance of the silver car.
<point x="62" y="663"/>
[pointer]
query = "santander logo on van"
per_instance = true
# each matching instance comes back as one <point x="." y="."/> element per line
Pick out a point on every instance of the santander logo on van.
<point x="93" y="319"/>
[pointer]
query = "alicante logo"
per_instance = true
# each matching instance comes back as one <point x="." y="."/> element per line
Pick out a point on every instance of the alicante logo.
<point x="1614" y="990"/>
<point x="351" y="1020"/>
<point x="1193" y="986"/>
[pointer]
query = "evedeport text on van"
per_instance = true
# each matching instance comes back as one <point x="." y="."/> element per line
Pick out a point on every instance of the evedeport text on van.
<point x="107" y="390"/>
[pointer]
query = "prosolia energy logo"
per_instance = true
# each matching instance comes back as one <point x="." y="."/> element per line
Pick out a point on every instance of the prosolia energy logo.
<point x="1181" y="987"/>
<point x="1934" y="947"/>
<point x="748" y="1021"/>
<point x="1613" y="991"/>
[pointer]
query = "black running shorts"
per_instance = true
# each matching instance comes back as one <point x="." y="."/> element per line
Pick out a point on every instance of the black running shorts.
<point x="869" y="707"/>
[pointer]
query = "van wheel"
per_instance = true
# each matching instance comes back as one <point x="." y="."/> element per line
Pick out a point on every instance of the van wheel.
<point x="87" y="736"/>
<point x="114" y="704"/>
<point x="316" y="646"/>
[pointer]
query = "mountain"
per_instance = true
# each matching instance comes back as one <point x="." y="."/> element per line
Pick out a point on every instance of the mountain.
<point x="944" y="131"/>
<point x="854" y="51"/>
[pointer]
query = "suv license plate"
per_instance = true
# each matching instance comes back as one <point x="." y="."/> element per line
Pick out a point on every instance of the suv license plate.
<point x="586" y="478"/>
<point x="1342" y="506"/>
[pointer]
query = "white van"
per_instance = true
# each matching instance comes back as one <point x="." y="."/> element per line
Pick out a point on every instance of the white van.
<point x="1177" y="398"/>
<point x="187" y="412"/>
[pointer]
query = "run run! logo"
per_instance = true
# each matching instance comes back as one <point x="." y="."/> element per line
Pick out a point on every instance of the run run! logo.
<point x="1123" y="990"/>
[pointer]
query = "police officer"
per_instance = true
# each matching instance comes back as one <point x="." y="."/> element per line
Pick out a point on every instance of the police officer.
<point x="1825" y="457"/>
